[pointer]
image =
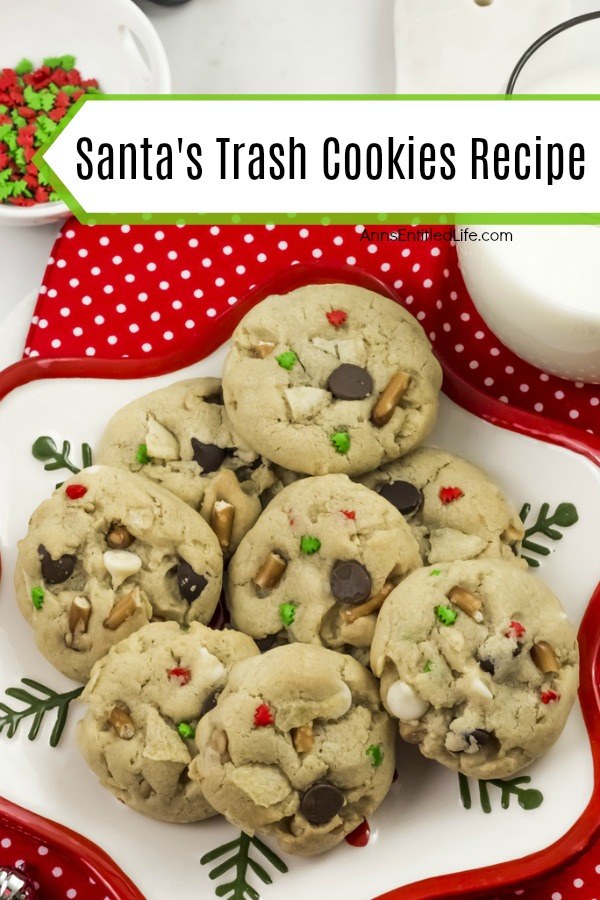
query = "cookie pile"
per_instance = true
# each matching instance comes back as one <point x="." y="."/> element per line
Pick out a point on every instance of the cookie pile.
<point x="369" y="579"/>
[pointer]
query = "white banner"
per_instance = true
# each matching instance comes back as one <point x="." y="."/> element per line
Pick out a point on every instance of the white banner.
<point x="389" y="155"/>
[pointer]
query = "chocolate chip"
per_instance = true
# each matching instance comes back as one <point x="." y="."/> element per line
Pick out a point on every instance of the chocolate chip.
<point x="210" y="703"/>
<point x="55" y="571"/>
<point x="480" y="736"/>
<point x="349" y="382"/>
<point x="406" y="497"/>
<point x="321" y="803"/>
<point x="266" y="643"/>
<point x="118" y="538"/>
<point x="190" y="583"/>
<point x="487" y="665"/>
<point x="349" y="581"/>
<point x="208" y="456"/>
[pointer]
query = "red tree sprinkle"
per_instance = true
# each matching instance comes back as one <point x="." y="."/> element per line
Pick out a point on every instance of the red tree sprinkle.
<point x="349" y="513"/>
<point x="181" y="675"/>
<point x="549" y="697"/>
<point x="516" y="630"/>
<point x="263" y="716"/>
<point x="448" y="494"/>
<point x="75" y="491"/>
<point x="337" y="317"/>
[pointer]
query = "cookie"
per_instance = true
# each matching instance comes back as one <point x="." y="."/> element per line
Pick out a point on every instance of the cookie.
<point x="181" y="438"/>
<point x="479" y="664"/>
<point x="145" y="699"/>
<point x="106" y="553"/>
<point x="454" y="509"/>
<point x="298" y="747"/>
<point x="331" y="378"/>
<point x="318" y="563"/>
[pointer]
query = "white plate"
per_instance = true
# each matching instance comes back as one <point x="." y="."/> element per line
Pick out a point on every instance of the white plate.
<point x="421" y="830"/>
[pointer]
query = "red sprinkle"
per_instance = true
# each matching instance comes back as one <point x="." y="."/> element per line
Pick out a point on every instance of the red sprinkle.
<point x="349" y="513"/>
<point x="360" y="836"/>
<point x="448" y="494"/>
<point x="75" y="491"/>
<point x="183" y="676"/>
<point x="549" y="697"/>
<point x="337" y="317"/>
<point x="516" y="630"/>
<point x="263" y="716"/>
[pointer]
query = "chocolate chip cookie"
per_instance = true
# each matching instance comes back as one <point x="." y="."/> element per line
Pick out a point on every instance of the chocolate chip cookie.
<point x="106" y="553"/>
<point x="454" y="509"/>
<point x="318" y="564"/>
<point x="181" y="438"/>
<point x="331" y="378"/>
<point x="146" y="698"/>
<point x="298" y="747"/>
<point x="479" y="664"/>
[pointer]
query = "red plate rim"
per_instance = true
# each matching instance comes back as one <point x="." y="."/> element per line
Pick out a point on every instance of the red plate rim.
<point x="475" y="882"/>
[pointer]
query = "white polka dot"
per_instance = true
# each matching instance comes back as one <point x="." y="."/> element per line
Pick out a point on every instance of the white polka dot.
<point x="406" y="252"/>
<point x="43" y="323"/>
<point x="473" y="364"/>
<point x="578" y="882"/>
<point x="351" y="260"/>
<point x="282" y="245"/>
<point x="87" y="301"/>
<point x="248" y="238"/>
<point x="151" y="267"/>
<point x="61" y="263"/>
<point x="398" y="284"/>
<point x="108" y="288"/>
<point x="416" y="267"/>
<point x="71" y="893"/>
<point x="594" y="401"/>
<point x="556" y="895"/>
<point x="70" y="233"/>
<point x="146" y="348"/>
<point x="215" y="230"/>
<point x="427" y="283"/>
<point x="193" y="242"/>
<point x="579" y="384"/>
<point x="385" y="267"/>
<point x="155" y="316"/>
<point x="189" y="323"/>
<point x="78" y="331"/>
<point x="262" y="257"/>
<point x="143" y="297"/>
<point x="82" y="253"/>
<point x="465" y="317"/>
<point x="104" y="241"/>
<point x="172" y="254"/>
<point x="494" y="352"/>
<point x="503" y="399"/>
<point x="459" y="348"/>
<point x="211" y="313"/>
<point x="304" y="232"/>
<point x="198" y="293"/>
<point x="435" y="251"/>
<point x="338" y="241"/>
<point x="34" y="353"/>
<point x="57" y="871"/>
<point x="447" y="327"/>
<point x="164" y="285"/>
<point x="488" y="382"/>
<point x="372" y="248"/>
<point x="111" y="339"/>
<point x="573" y="414"/>
<point x="229" y="250"/>
<point x="408" y="300"/>
<point x="159" y="235"/>
<point x="134" y="328"/>
<point x="65" y="311"/>
<point x="176" y="304"/>
<point x="317" y="253"/>
<point x="185" y="274"/>
<point x="138" y="248"/>
<point x="43" y="289"/>
<point x="99" y="320"/>
<point x="6" y="842"/>
<point x="432" y="335"/>
<point x="55" y="342"/>
<point x="90" y="351"/>
<point x="597" y="870"/>
<point x="479" y="335"/>
<point x="538" y="407"/>
<point x="52" y="293"/>
<point x="359" y="229"/>
<point x="74" y="282"/>
<point x="130" y="278"/>
<point x="168" y="335"/>
<point x="438" y="304"/>
<point x="420" y="315"/>
<point x="219" y="282"/>
<point x="524" y="388"/>
<point x="269" y="226"/>
<point x="95" y="270"/>
<point x="559" y="395"/>
<point x="544" y="377"/>
<point x="206" y="262"/>
<point x="509" y="370"/>
<point x="125" y="229"/>
<point x="232" y="301"/>
<point x="453" y="295"/>
<point x="240" y="270"/>
<point x="117" y="260"/>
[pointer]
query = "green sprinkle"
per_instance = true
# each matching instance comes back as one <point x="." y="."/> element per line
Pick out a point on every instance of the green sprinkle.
<point x="32" y="98"/>
<point x="69" y="89"/>
<point x="37" y="597"/>
<point x="46" y="99"/>
<point x="428" y="666"/>
<point x="3" y="109"/>
<point x="186" y="731"/>
<point x="375" y="751"/>
<point x="67" y="62"/>
<point x="53" y="62"/>
<point x="19" y="188"/>
<point x="142" y="454"/>
<point x="341" y="441"/>
<point x="435" y="572"/>
<point x="19" y="121"/>
<point x="24" y="67"/>
<point x="287" y="359"/>
<point x="446" y="615"/>
<point x="287" y="613"/>
<point x="309" y="545"/>
<point x="54" y="198"/>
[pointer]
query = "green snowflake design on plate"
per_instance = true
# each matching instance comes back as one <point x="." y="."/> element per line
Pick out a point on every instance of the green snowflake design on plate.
<point x="563" y="516"/>
<point x="527" y="798"/>
<point x="239" y="860"/>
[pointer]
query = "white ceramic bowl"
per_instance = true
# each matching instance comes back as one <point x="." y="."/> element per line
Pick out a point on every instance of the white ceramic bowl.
<point x="540" y="294"/>
<point x="112" y="41"/>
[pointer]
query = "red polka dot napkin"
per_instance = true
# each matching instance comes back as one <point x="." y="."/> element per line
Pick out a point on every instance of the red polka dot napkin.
<point x="134" y="291"/>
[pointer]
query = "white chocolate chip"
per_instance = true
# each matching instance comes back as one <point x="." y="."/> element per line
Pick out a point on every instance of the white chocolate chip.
<point x="404" y="703"/>
<point x="352" y="351"/>
<point x="479" y="690"/>
<point x="305" y="402"/>
<point x="120" y="564"/>
<point x="325" y="346"/>
<point x="140" y="519"/>
<point x="161" y="443"/>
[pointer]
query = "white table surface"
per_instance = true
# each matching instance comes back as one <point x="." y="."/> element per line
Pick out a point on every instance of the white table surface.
<point x="235" y="46"/>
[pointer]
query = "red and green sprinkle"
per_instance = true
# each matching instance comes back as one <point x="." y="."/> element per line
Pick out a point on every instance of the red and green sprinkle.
<point x="32" y="103"/>
<point x="37" y="597"/>
<point x="309" y="544"/>
<point x="448" y="494"/>
<point x="141" y="454"/>
<point x="287" y="613"/>
<point x="375" y="752"/>
<point x="180" y="675"/>
<point x="75" y="491"/>
<point x="337" y="317"/>
<point x="287" y="360"/>
<point x="445" y="614"/>
<point x="186" y="731"/>
<point x="340" y="441"/>
<point x="263" y="716"/>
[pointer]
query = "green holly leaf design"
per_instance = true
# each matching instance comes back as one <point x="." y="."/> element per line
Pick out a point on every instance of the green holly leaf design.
<point x="45" y="450"/>
<point x="241" y="862"/>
